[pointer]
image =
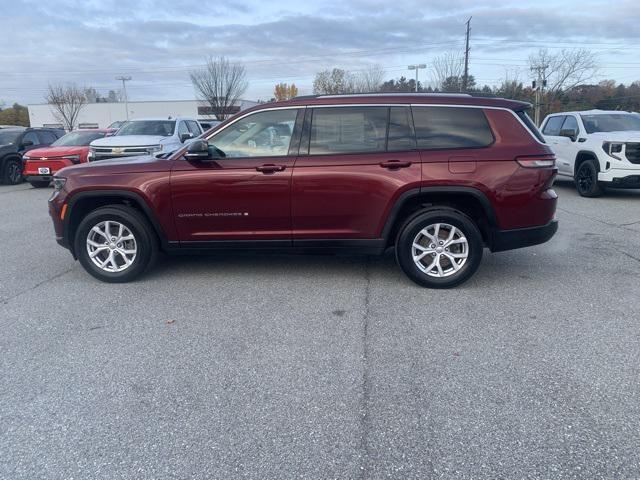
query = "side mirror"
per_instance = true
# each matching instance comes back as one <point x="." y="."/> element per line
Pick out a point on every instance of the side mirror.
<point x="27" y="143"/>
<point x="569" y="133"/>
<point x="200" y="151"/>
<point x="185" y="136"/>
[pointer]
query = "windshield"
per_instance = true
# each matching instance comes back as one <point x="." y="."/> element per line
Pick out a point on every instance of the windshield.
<point x="77" y="139"/>
<point x="8" y="137"/>
<point x="612" y="122"/>
<point x="163" y="128"/>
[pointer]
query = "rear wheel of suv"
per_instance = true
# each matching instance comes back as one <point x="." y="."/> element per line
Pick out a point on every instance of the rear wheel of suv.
<point x="39" y="183"/>
<point x="116" y="244"/>
<point x="12" y="172"/>
<point x="586" y="179"/>
<point x="439" y="248"/>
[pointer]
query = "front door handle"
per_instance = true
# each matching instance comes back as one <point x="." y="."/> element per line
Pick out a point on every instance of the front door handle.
<point x="270" y="168"/>
<point x="395" y="164"/>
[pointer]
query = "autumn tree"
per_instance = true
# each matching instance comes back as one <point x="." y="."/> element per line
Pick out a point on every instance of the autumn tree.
<point x="220" y="83"/>
<point x="284" y="91"/>
<point x="66" y="102"/>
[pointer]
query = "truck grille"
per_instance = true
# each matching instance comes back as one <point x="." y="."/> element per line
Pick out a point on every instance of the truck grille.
<point x="102" y="153"/>
<point x="633" y="152"/>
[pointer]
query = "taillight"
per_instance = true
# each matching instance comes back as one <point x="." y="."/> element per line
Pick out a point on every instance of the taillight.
<point x="537" y="161"/>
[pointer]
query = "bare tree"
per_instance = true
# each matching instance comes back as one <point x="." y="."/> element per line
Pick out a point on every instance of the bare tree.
<point x="565" y="69"/>
<point x="368" y="80"/>
<point x="445" y="67"/>
<point x="332" y="82"/>
<point x="220" y="83"/>
<point x="66" y="102"/>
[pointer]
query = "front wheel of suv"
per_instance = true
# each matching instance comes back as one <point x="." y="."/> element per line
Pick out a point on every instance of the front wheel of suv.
<point x="115" y="244"/>
<point x="12" y="172"/>
<point x="439" y="248"/>
<point x="586" y="179"/>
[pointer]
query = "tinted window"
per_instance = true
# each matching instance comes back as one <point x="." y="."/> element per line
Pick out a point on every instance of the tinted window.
<point x="526" y="119"/>
<point x="451" y="127"/>
<point x="8" y="137"/>
<point x="570" y="123"/>
<point x="400" y="131"/>
<point x="193" y="128"/>
<point x="553" y="126"/>
<point x="46" y="137"/>
<point x="78" y="139"/>
<point x="348" y="130"/>
<point x="31" y="137"/>
<point x="263" y="134"/>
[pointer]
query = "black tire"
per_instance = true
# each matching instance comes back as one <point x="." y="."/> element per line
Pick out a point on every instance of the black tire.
<point x="12" y="171"/>
<point x="39" y="183"/>
<point x="145" y="238"/>
<point x="467" y="229"/>
<point x="586" y="179"/>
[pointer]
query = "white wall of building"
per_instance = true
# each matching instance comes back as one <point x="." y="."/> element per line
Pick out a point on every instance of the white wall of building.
<point x="104" y="114"/>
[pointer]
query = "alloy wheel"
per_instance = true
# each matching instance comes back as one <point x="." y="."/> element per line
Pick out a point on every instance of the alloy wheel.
<point x="440" y="250"/>
<point x="111" y="246"/>
<point x="585" y="179"/>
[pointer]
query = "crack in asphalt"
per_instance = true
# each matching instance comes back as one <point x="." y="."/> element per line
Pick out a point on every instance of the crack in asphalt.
<point x="366" y="385"/>
<point x="617" y="225"/>
<point x="5" y="301"/>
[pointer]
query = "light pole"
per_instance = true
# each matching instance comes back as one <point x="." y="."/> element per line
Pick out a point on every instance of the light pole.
<point x="417" y="67"/>
<point x="124" y="90"/>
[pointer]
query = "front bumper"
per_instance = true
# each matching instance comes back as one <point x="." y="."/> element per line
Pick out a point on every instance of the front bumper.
<point x="38" y="178"/>
<point x="523" y="237"/>
<point x="620" y="176"/>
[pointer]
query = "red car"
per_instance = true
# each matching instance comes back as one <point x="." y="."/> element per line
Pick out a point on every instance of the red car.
<point x="435" y="177"/>
<point x="41" y="164"/>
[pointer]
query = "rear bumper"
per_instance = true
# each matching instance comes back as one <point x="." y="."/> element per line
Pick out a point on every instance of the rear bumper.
<point x="523" y="237"/>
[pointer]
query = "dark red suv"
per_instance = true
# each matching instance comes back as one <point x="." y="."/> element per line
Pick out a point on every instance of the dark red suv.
<point x="437" y="177"/>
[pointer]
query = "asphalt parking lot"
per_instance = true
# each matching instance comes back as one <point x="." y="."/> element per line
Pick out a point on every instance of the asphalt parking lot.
<point x="276" y="366"/>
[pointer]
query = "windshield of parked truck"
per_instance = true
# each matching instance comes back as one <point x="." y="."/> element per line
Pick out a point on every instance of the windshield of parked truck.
<point x="8" y="137"/>
<point x="611" y="122"/>
<point x="162" y="128"/>
<point x="78" y="139"/>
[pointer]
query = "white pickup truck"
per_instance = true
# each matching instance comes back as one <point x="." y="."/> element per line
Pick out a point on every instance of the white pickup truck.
<point x="146" y="136"/>
<point x="596" y="148"/>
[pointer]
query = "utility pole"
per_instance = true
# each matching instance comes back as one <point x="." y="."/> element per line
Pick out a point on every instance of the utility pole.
<point x="465" y="78"/>
<point x="417" y="67"/>
<point x="124" y="91"/>
<point x="538" y="84"/>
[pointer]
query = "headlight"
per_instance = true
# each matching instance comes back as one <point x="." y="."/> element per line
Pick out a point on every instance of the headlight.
<point x="25" y="157"/>
<point x="613" y="149"/>
<point x="58" y="183"/>
<point x="91" y="155"/>
<point x="73" y="158"/>
<point x="154" y="149"/>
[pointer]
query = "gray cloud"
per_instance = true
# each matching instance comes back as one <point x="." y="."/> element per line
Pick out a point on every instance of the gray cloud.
<point x="158" y="41"/>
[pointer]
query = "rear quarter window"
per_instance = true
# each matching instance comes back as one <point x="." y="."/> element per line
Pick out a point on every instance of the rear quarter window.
<point x="451" y="128"/>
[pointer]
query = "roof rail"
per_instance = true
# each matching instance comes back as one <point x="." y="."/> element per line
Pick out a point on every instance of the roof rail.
<point x="384" y="94"/>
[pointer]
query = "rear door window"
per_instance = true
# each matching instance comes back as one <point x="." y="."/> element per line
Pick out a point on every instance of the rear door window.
<point x="401" y="135"/>
<point x="553" y="125"/>
<point x="341" y="130"/>
<point x="31" y="137"/>
<point x="451" y="128"/>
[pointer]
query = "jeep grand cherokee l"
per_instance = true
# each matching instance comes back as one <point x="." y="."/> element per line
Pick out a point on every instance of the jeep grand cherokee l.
<point x="436" y="177"/>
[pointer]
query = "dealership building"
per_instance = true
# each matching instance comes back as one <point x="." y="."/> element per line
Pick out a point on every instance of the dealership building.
<point x="101" y="115"/>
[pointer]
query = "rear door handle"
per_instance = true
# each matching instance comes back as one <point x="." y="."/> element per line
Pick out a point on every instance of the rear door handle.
<point x="394" y="164"/>
<point x="270" y="168"/>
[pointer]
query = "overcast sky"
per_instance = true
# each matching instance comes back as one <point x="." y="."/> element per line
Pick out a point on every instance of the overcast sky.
<point x="157" y="42"/>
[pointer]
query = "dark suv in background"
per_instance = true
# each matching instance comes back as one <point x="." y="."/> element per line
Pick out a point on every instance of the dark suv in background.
<point x="436" y="177"/>
<point x="15" y="142"/>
